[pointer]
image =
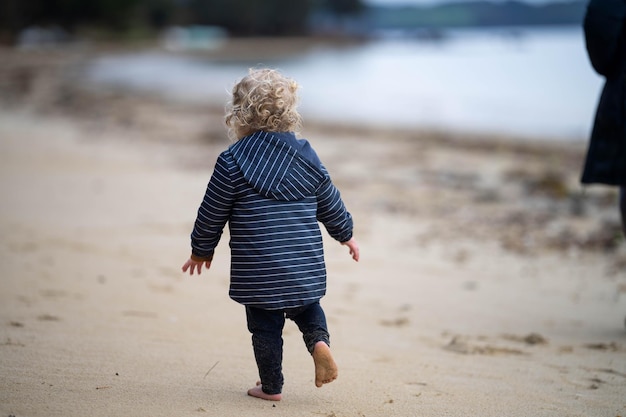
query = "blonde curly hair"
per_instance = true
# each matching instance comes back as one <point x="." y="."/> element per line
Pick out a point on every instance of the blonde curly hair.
<point x="263" y="100"/>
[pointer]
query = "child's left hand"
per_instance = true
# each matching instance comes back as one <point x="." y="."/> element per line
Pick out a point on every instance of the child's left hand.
<point x="192" y="266"/>
<point x="354" y="248"/>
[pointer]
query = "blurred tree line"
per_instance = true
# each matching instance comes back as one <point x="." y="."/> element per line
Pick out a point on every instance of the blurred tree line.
<point x="237" y="17"/>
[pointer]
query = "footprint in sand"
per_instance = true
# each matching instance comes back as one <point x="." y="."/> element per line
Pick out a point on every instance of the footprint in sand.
<point x="398" y="322"/>
<point x="48" y="317"/>
<point x="459" y="345"/>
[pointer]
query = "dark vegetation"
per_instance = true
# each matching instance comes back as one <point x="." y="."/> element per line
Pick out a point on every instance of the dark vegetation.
<point x="127" y="19"/>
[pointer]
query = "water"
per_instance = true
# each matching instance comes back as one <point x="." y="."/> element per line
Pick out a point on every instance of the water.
<point x="535" y="82"/>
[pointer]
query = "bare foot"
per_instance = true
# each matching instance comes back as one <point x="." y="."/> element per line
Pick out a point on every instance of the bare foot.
<point x="325" y="366"/>
<point x="258" y="392"/>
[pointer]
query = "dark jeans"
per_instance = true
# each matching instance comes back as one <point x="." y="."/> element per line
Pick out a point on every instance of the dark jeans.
<point x="266" y="327"/>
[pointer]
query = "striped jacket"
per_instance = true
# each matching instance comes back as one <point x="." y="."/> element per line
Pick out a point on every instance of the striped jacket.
<point x="272" y="190"/>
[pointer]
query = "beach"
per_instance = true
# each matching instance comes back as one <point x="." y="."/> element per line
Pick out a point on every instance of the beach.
<point x="490" y="282"/>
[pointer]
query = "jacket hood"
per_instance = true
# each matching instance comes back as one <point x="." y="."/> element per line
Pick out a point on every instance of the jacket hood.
<point x="278" y="166"/>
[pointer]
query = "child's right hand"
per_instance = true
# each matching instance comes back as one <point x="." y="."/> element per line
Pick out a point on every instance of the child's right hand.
<point x="354" y="248"/>
<point x="195" y="265"/>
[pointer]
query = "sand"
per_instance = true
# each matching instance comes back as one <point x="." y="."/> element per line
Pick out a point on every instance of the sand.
<point x="489" y="283"/>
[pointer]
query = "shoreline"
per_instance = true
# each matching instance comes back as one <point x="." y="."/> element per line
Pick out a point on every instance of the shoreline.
<point x="203" y="77"/>
<point x="58" y="71"/>
<point x="541" y="174"/>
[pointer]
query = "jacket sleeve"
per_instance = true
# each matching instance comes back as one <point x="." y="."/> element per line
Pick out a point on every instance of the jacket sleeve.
<point x="332" y="213"/>
<point x="213" y="213"/>
<point x="603" y="26"/>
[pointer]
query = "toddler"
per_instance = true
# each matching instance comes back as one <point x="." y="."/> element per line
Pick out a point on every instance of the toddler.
<point x="273" y="190"/>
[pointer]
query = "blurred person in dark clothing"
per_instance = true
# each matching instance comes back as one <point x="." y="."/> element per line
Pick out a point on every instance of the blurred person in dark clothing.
<point x="605" y="37"/>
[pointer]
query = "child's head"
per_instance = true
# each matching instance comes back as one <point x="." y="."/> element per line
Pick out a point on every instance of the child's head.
<point x="263" y="100"/>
